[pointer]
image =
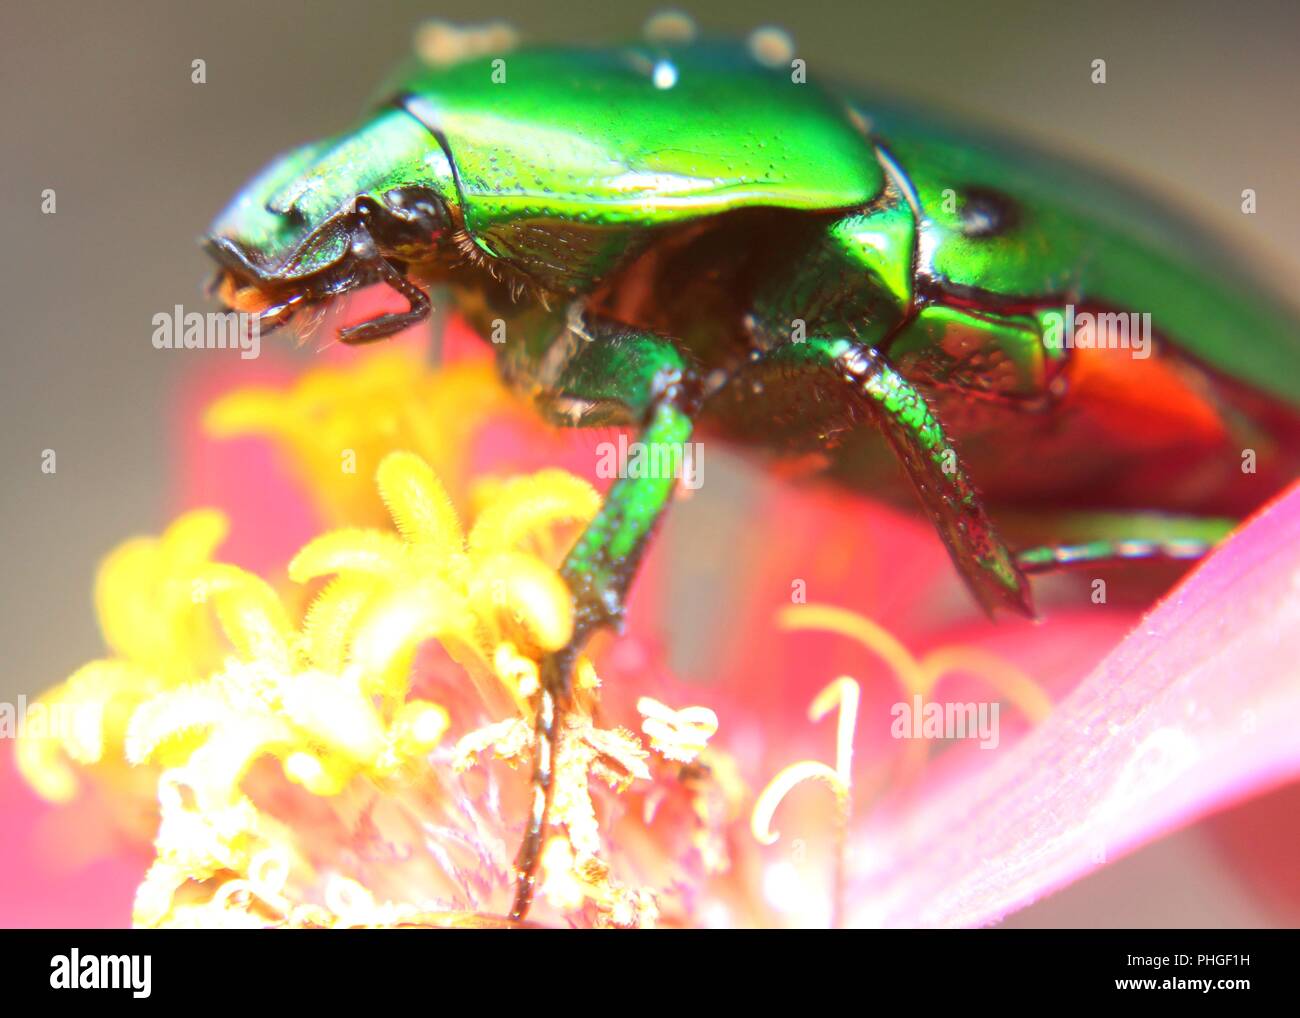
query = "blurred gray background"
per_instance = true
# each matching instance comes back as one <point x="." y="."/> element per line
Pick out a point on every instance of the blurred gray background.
<point x="98" y="104"/>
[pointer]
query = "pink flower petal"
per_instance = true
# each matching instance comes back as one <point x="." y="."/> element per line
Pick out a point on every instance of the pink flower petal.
<point x="62" y="866"/>
<point x="1198" y="708"/>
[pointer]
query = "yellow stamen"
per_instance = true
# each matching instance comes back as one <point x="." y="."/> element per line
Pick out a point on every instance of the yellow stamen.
<point x="844" y="694"/>
<point x="679" y="735"/>
<point x="921" y="676"/>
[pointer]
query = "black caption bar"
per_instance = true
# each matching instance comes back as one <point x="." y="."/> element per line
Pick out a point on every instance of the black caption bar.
<point x="387" y="970"/>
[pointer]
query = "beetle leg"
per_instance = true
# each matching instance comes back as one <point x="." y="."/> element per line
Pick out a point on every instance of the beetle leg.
<point x="890" y="401"/>
<point x="632" y="378"/>
<point x="385" y="325"/>
<point x="1051" y="558"/>
<point x="1101" y="539"/>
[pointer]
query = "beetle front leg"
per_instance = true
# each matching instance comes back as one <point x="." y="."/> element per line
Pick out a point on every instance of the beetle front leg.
<point x="391" y="323"/>
<point x="636" y="378"/>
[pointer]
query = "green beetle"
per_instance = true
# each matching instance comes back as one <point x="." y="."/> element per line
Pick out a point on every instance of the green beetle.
<point x="681" y="236"/>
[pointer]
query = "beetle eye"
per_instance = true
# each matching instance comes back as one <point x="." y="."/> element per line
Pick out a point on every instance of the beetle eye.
<point x="406" y="220"/>
<point x="420" y="208"/>
<point x="986" y="212"/>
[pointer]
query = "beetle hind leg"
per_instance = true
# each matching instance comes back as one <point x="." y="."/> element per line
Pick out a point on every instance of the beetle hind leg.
<point x="1051" y="558"/>
<point x="889" y="401"/>
<point x="1096" y="539"/>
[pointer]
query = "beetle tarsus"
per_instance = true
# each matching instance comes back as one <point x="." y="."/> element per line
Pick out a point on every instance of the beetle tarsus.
<point x="546" y="728"/>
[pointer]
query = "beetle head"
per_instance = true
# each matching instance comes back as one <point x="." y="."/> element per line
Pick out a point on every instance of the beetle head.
<point x="335" y="216"/>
